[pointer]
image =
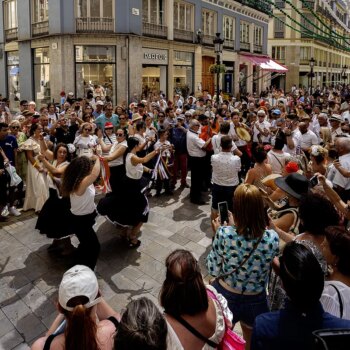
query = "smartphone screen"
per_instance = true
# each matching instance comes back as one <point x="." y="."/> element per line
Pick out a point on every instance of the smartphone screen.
<point x="223" y="212"/>
<point x="313" y="181"/>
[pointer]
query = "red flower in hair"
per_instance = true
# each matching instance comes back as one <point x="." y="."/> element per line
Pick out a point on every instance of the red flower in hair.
<point x="267" y="148"/>
<point x="292" y="167"/>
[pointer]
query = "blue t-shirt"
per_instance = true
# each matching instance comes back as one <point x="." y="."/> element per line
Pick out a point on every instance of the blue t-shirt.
<point x="9" y="145"/>
<point x="288" y="329"/>
<point x="102" y="120"/>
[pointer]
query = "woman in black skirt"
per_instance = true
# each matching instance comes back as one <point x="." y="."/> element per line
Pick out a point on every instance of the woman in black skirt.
<point x="130" y="207"/>
<point x="59" y="230"/>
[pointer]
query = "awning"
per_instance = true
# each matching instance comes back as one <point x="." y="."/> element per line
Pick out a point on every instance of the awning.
<point x="266" y="63"/>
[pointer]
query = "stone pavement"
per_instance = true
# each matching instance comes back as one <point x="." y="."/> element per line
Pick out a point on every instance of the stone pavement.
<point x="29" y="275"/>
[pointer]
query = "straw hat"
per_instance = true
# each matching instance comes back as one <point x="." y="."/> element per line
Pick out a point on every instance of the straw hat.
<point x="243" y="134"/>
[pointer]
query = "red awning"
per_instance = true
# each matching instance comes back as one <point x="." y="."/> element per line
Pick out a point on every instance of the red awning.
<point x="266" y="63"/>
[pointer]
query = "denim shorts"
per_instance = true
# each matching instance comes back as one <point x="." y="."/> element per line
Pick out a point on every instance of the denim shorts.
<point x="245" y="308"/>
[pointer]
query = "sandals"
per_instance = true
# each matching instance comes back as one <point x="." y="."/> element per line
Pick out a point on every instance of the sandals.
<point x="132" y="245"/>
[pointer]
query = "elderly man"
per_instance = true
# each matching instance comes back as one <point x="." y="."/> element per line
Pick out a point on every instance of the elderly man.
<point x="335" y="121"/>
<point x="196" y="150"/>
<point x="261" y="129"/>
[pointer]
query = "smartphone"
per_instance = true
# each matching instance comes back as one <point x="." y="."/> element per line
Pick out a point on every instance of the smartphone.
<point x="223" y="212"/>
<point x="313" y="181"/>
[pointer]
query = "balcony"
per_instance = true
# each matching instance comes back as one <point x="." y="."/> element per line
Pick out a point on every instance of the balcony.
<point x="208" y="40"/>
<point x="94" y="25"/>
<point x="280" y="4"/>
<point x="11" y="34"/>
<point x="183" y="35"/>
<point x="257" y="5"/>
<point x="279" y="35"/>
<point x="40" y="28"/>
<point x="258" y="48"/>
<point x="229" y="44"/>
<point x="244" y="46"/>
<point x="308" y="4"/>
<point x="155" y="30"/>
<point x="306" y="35"/>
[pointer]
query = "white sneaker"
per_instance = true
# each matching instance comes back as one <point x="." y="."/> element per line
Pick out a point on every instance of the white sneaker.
<point x="13" y="211"/>
<point x="5" y="211"/>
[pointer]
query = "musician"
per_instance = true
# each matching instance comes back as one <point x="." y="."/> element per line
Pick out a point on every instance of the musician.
<point x="261" y="129"/>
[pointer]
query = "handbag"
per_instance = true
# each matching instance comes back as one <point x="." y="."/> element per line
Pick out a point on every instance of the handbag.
<point x="231" y="340"/>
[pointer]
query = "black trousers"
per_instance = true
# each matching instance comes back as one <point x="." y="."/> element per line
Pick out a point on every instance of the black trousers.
<point x="89" y="247"/>
<point x="197" y="177"/>
<point x="117" y="175"/>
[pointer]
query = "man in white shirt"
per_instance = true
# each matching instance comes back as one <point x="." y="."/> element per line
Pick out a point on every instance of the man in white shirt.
<point x="304" y="138"/>
<point x="261" y="129"/>
<point x="196" y="151"/>
<point x="226" y="167"/>
<point x="216" y="140"/>
<point x="335" y="121"/>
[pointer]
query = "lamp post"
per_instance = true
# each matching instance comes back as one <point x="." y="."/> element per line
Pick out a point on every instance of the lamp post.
<point x="311" y="74"/>
<point x="218" y="43"/>
<point x="343" y="74"/>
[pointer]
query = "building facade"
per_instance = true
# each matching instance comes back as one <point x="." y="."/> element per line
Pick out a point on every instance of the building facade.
<point x="127" y="48"/>
<point x="321" y="30"/>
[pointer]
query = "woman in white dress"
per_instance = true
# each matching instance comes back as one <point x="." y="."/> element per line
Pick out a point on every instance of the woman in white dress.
<point x="37" y="190"/>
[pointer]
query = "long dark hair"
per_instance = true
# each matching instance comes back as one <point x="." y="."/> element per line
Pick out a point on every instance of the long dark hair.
<point x="59" y="145"/>
<point x="74" y="174"/>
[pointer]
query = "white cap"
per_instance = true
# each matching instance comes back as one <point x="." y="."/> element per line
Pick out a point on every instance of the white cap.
<point x="70" y="94"/>
<point x="100" y="103"/>
<point x="178" y="111"/>
<point x="261" y="111"/>
<point x="80" y="280"/>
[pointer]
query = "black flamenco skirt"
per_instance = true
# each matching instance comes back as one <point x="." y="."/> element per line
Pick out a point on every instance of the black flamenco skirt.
<point x="55" y="218"/>
<point x="128" y="206"/>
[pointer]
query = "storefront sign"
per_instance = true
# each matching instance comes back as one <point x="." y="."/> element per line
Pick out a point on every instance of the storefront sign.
<point x="155" y="56"/>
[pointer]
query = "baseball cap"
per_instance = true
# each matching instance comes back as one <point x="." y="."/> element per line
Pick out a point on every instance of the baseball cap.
<point x="79" y="280"/>
<point x="178" y="111"/>
<point x="276" y="111"/>
<point x="108" y="125"/>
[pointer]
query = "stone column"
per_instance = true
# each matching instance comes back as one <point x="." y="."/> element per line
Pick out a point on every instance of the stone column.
<point x="170" y="19"/>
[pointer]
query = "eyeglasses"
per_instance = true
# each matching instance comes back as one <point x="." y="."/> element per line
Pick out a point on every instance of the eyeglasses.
<point x="120" y="135"/>
<point x="14" y="127"/>
<point x="88" y="129"/>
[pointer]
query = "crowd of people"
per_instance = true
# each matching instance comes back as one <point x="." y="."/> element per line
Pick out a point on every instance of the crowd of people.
<point x="279" y="162"/>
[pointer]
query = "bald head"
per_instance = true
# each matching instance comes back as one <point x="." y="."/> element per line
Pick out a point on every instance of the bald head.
<point x="342" y="144"/>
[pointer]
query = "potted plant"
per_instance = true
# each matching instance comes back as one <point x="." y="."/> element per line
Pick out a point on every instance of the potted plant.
<point x="217" y="68"/>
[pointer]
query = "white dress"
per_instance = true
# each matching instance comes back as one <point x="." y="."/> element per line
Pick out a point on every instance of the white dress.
<point x="222" y="311"/>
<point x="37" y="189"/>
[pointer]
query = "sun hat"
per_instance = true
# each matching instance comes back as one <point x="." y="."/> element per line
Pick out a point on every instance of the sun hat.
<point x="79" y="280"/>
<point x="294" y="184"/>
<point x="336" y="117"/>
<point x="136" y="117"/>
<point x="27" y="113"/>
<point x="108" y="125"/>
<point x="99" y="103"/>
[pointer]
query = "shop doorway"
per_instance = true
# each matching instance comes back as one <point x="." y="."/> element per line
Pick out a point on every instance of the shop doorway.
<point x="154" y="80"/>
<point x="207" y="78"/>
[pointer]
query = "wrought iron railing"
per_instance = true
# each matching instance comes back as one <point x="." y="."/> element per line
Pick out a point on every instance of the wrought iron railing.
<point x="208" y="39"/>
<point x="183" y="35"/>
<point x="258" y="48"/>
<point x="94" y="25"/>
<point x="156" y="30"/>
<point x="229" y="44"/>
<point x="244" y="46"/>
<point x="11" y="34"/>
<point x="40" y="28"/>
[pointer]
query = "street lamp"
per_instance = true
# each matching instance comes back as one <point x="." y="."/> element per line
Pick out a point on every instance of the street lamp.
<point x="343" y="73"/>
<point x="311" y="74"/>
<point x="218" y="43"/>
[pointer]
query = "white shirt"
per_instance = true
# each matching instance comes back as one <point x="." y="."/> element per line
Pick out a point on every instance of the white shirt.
<point x="84" y="204"/>
<point x="225" y="169"/>
<point x="166" y="152"/>
<point x="133" y="171"/>
<point x="277" y="161"/>
<point x="262" y="126"/>
<point x="216" y="140"/>
<point x="339" y="179"/>
<point x="119" y="160"/>
<point x="233" y="134"/>
<point x="195" y="144"/>
<point x="335" y="133"/>
<point x="330" y="299"/>
<point x="305" y="141"/>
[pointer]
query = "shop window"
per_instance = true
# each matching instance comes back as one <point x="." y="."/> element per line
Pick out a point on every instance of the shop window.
<point x="95" y="71"/>
<point x="13" y="87"/>
<point x="183" y="16"/>
<point x="42" y="75"/>
<point x="153" y="11"/>
<point x="183" y="73"/>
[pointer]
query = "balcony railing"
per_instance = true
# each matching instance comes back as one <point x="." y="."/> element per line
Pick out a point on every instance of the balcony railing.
<point x="40" y="28"/>
<point x="244" y="46"/>
<point x="156" y="30"/>
<point x="11" y="34"/>
<point x="257" y="5"/>
<point x="280" y="4"/>
<point x="94" y="25"/>
<point x="258" y="48"/>
<point x="229" y="44"/>
<point x="183" y="35"/>
<point x="279" y="35"/>
<point x="308" y="4"/>
<point x="208" y="40"/>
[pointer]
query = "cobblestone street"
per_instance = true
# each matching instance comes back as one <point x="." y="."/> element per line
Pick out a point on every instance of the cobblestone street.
<point x="30" y="276"/>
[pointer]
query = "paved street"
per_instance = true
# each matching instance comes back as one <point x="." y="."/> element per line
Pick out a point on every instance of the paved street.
<point x="29" y="276"/>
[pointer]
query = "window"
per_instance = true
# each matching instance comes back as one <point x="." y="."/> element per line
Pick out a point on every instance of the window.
<point x="307" y="28"/>
<point x="95" y="70"/>
<point x="12" y="77"/>
<point x="94" y="8"/>
<point x="42" y="75"/>
<point x="153" y="11"/>
<point x="40" y="11"/>
<point x="183" y="73"/>
<point x="229" y="28"/>
<point x="10" y="14"/>
<point x="305" y="53"/>
<point x="279" y="27"/>
<point x="278" y="53"/>
<point x="209" y="21"/>
<point x="183" y="16"/>
<point x="244" y="32"/>
<point x="258" y="35"/>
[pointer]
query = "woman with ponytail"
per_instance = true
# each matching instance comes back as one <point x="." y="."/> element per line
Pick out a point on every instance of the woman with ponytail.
<point x="89" y="322"/>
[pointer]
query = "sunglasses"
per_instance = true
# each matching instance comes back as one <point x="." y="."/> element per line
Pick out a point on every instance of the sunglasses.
<point x="14" y="127"/>
<point x="88" y="129"/>
<point x="120" y="135"/>
<point x="108" y="128"/>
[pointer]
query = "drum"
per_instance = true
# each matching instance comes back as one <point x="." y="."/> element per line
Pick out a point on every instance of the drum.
<point x="243" y="134"/>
